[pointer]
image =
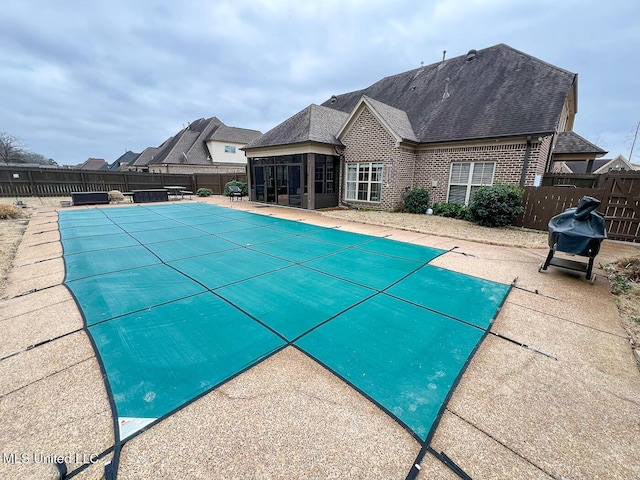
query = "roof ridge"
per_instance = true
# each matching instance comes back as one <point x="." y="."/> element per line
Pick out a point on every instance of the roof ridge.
<point x="532" y="57"/>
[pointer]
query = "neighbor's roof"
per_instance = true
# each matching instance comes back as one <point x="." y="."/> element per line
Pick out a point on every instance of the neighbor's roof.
<point x="313" y="124"/>
<point x="188" y="146"/>
<point x="234" y="134"/>
<point x="94" y="164"/>
<point x="124" y="159"/>
<point x="570" y="142"/>
<point x="500" y="92"/>
<point x="580" y="166"/>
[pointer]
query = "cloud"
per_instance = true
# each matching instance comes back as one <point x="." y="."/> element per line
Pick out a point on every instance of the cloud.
<point x="91" y="79"/>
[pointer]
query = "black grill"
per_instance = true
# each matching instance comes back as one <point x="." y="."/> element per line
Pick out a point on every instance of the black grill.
<point x="576" y="231"/>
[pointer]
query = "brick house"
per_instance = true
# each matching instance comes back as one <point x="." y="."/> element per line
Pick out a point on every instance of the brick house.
<point x="490" y="116"/>
<point x="206" y="145"/>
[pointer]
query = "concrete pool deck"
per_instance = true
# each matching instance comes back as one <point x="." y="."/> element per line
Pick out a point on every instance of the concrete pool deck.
<point x="566" y="407"/>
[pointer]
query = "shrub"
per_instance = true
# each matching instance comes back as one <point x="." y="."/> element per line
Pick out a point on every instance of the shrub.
<point x="497" y="205"/>
<point x="9" y="211"/>
<point x="416" y="200"/>
<point x="242" y="185"/>
<point x="451" y="210"/>
<point x="204" y="192"/>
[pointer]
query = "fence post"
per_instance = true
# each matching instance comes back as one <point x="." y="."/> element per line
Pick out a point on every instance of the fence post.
<point x="32" y="189"/>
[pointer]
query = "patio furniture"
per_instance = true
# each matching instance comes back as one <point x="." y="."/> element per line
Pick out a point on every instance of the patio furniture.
<point x="175" y="191"/>
<point x="90" y="198"/>
<point x="235" y="192"/>
<point x="153" y="195"/>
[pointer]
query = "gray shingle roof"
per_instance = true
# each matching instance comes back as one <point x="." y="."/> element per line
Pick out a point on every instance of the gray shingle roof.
<point x="397" y="120"/>
<point x="570" y="142"/>
<point x="189" y="145"/>
<point x="501" y="92"/>
<point x="124" y="159"/>
<point x="234" y="134"/>
<point x="313" y="124"/>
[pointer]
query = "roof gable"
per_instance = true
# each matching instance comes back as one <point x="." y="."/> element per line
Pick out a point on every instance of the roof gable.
<point x="395" y="121"/>
<point x="617" y="163"/>
<point x="500" y="92"/>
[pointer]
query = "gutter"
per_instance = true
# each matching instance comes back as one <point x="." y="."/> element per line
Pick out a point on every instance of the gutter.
<point x="525" y="166"/>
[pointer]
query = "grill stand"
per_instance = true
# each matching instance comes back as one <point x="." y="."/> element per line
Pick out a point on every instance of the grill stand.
<point x="573" y="265"/>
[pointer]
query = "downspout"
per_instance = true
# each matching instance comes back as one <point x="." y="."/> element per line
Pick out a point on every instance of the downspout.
<point x="525" y="165"/>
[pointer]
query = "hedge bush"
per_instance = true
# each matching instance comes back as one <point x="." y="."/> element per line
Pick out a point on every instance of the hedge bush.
<point x="416" y="200"/>
<point x="204" y="192"/>
<point x="451" y="210"/>
<point x="242" y="185"/>
<point x="496" y="205"/>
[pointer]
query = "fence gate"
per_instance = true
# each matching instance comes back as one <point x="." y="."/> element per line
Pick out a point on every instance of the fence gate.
<point x="621" y="206"/>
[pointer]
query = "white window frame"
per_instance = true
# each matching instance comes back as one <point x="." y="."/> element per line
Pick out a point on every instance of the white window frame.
<point x="229" y="149"/>
<point x="354" y="183"/>
<point x="469" y="181"/>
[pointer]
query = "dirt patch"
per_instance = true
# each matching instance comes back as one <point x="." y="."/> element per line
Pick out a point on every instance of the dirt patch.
<point x="624" y="277"/>
<point x="10" y="236"/>
<point x="446" y="227"/>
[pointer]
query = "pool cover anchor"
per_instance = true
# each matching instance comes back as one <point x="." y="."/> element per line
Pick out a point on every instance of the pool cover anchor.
<point x="536" y="291"/>
<point x="523" y="345"/>
<point x="451" y="250"/>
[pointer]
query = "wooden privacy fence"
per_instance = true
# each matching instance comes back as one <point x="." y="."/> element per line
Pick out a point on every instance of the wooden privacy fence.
<point x="620" y="205"/>
<point x="45" y="182"/>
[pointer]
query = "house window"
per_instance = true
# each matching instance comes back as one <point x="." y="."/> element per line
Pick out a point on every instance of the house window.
<point x="364" y="181"/>
<point x="229" y="149"/>
<point x="466" y="178"/>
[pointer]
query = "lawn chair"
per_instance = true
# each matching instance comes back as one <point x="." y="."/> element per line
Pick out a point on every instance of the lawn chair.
<point x="235" y="192"/>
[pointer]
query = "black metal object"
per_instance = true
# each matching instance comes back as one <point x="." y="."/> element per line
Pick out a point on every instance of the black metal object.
<point x="153" y="195"/>
<point x="90" y="198"/>
<point x="576" y="231"/>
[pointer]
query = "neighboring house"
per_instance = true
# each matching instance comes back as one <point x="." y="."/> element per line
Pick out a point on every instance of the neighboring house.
<point x="206" y="145"/>
<point x="617" y="164"/>
<point x="493" y="115"/>
<point x="122" y="163"/>
<point x="598" y="167"/>
<point x="93" y="164"/>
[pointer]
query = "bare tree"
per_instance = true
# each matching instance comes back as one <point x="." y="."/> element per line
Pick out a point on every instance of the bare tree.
<point x="11" y="148"/>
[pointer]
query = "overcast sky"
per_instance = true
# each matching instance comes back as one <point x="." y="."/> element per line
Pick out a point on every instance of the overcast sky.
<point x="82" y="79"/>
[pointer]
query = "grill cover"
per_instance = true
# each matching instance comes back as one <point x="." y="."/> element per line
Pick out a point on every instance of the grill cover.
<point x="578" y="230"/>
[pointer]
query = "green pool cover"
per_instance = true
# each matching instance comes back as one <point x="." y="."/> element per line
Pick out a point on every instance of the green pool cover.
<point x="180" y="298"/>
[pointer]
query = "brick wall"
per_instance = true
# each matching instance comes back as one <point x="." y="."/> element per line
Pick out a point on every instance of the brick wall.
<point x="433" y="165"/>
<point x="368" y="141"/>
<point x="405" y="168"/>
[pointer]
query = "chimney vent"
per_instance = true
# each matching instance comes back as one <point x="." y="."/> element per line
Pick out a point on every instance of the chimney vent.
<point x="471" y="54"/>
